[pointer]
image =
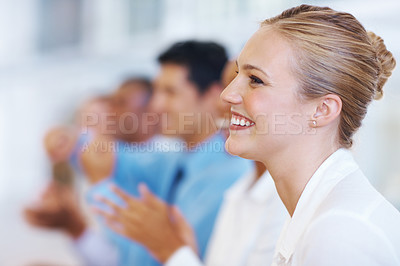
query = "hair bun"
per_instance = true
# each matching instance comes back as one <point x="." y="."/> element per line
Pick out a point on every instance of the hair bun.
<point x="386" y="62"/>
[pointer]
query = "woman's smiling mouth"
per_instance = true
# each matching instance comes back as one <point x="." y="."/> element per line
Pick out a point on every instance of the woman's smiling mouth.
<point x="239" y="122"/>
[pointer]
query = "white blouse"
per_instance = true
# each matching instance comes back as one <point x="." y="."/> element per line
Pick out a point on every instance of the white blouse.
<point x="340" y="219"/>
<point x="247" y="227"/>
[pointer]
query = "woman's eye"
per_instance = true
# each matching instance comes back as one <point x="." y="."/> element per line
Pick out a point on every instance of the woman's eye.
<point x="256" y="80"/>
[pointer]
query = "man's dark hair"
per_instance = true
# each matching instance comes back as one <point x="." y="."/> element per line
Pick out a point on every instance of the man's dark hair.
<point x="204" y="60"/>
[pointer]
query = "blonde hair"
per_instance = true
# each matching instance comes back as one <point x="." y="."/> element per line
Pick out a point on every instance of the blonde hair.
<point x="335" y="54"/>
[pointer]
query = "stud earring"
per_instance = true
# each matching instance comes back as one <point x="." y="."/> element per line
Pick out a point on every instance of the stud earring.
<point x="313" y="123"/>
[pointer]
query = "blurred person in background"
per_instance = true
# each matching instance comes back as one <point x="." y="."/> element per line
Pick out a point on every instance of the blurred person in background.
<point x="59" y="206"/>
<point x="103" y="149"/>
<point x="186" y="92"/>
<point x="247" y="226"/>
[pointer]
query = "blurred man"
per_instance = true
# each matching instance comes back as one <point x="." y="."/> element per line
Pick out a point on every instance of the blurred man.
<point x="186" y="95"/>
<point x="246" y="229"/>
<point x="130" y="104"/>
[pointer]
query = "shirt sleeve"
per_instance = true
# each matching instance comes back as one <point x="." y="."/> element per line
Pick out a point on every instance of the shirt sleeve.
<point x="94" y="249"/>
<point x="184" y="256"/>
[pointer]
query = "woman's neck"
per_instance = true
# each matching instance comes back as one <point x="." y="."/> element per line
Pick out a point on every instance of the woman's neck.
<point x="291" y="170"/>
<point x="260" y="169"/>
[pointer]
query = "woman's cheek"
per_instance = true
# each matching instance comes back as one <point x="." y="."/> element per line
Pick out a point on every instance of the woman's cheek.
<point x="258" y="108"/>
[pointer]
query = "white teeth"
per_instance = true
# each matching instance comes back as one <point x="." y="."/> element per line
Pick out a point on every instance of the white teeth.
<point x="241" y="122"/>
<point x="234" y="121"/>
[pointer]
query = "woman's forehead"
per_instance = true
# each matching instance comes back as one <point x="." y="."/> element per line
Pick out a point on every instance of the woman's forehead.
<point x="267" y="50"/>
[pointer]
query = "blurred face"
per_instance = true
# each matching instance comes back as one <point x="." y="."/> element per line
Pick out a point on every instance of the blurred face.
<point x="95" y="115"/>
<point x="177" y="100"/>
<point x="129" y="104"/>
<point x="267" y="115"/>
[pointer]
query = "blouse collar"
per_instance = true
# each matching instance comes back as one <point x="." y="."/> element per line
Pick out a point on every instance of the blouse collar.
<point x="336" y="167"/>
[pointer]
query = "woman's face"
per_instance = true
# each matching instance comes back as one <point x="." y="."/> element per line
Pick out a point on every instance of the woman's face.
<point x="267" y="115"/>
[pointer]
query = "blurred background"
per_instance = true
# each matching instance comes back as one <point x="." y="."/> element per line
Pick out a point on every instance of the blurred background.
<point x="55" y="54"/>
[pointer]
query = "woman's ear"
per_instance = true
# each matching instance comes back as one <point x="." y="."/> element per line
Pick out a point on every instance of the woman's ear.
<point x="328" y="109"/>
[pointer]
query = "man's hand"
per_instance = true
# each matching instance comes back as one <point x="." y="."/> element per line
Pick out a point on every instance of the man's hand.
<point x="162" y="229"/>
<point x="58" y="209"/>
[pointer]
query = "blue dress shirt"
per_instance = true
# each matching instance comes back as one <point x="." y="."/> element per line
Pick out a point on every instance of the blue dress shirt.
<point x="206" y="172"/>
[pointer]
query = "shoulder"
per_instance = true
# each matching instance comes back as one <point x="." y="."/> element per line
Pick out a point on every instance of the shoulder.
<point x="356" y="196"/>
<point x="354" y="224"/>
<point x="343" y="239"/>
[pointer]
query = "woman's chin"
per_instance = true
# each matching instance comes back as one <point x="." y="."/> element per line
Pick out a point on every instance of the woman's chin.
<point x="235" y="148"/>
<point x="228" y="147"/>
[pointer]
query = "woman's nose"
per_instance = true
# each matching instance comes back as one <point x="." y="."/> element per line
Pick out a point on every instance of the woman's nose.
<point x="231" y="94"/>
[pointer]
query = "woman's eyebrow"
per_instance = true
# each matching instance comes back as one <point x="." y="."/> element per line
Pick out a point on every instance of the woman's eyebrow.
<point x="250" y="67"/>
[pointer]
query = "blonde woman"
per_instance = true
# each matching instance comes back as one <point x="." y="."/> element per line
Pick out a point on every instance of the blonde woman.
<point x="304" y="82"/>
